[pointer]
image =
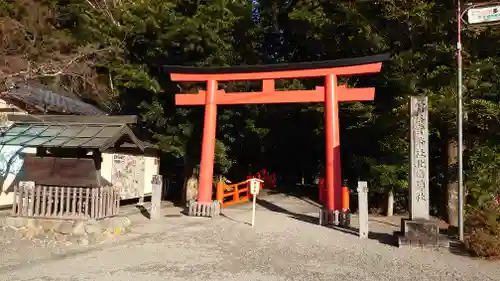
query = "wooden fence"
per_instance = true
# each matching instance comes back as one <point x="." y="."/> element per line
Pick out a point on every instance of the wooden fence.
<point x="59" y="202"/>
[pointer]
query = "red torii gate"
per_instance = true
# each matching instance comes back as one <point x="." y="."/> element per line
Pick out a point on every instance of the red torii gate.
<point x="331" y="94"/>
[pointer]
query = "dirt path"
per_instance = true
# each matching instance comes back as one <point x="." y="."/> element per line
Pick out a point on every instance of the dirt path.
<point x="285" y="244"/>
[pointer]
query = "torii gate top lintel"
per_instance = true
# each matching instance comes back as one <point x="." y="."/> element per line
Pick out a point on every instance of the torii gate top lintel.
<point x="351" y="66"/>
<point x="269" y="73"/>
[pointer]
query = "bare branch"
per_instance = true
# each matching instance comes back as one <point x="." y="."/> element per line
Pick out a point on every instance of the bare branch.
<point x="103" y="7"/>
<point x="53" y="67"/>
<point x="91" y="4"/>
<point x="32" y="49"/>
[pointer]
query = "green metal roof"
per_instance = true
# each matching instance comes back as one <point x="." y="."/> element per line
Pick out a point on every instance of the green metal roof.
<point x="67" y="135"/>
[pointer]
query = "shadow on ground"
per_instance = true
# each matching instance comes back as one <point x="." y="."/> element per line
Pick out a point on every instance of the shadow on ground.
<point x="233" y="220"/>
<point x="275" y="208"/>
<point x="458" y="248"/>
<point x="145" y="212"/>
<point x="306" y="193"/>
<point x="383" y="238"/>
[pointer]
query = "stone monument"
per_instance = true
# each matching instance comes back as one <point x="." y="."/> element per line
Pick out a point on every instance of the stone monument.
<point x="419" y="229"/>
<point x="419" y="159"/>
<point x="156" y="196"/>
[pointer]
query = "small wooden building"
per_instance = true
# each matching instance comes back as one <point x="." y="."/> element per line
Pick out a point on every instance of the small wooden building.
<point x="65" y="140"/>
<point x="23" y="99"/>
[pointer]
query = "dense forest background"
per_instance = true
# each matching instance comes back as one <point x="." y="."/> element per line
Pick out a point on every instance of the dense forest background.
<point x="111" y="52"/>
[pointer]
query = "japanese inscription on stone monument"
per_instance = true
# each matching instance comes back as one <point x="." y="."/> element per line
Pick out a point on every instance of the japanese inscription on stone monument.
<point x="419" y="158"/>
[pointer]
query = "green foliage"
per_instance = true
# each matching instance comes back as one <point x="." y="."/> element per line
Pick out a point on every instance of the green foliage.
<point x="483" y="231"/>
<point x="121" y="46"/>
<point x="389" y="177"/>
<point x="483" y="179"/>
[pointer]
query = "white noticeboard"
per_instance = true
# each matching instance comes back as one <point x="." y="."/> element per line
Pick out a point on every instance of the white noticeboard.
<point x="254" y="190"/>
<point x="483" y="15"/>
<point x="254" y="187"/>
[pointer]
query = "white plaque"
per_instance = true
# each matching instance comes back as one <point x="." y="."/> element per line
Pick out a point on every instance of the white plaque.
<point x="254" y="186"/>
<point x="27" y="185"/>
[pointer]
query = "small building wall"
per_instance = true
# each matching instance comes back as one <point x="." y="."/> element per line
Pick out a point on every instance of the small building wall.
<point x="10" y="173"/>
<point x="132" y="172"/>
<point x="11" y="159"/>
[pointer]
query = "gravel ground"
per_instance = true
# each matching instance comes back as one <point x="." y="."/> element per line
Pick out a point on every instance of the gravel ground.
<point x="284" y="245"/>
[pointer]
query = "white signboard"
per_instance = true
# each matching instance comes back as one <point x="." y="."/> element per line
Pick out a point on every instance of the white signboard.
<point x="254" y="190"/>
<point x="483" y="15"/>
<point x="254" y="186"/>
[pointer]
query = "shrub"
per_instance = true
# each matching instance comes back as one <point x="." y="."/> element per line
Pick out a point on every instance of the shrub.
<point x="483" y="232"/>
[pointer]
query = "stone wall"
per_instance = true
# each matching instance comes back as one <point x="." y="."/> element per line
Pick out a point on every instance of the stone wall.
<point x="66" y="231"/>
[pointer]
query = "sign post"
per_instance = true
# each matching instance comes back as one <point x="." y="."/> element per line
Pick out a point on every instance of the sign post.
<point x="254" y="190"/>
<point x="157" y="183"/>
<point x="477" y="14"/>
<point x="363" y="208"/>
<point x="28" y="188"/>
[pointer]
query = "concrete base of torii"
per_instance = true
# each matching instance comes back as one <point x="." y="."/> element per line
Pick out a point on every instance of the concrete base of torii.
<point x="337" y="218"/>
<point x="210" y="209"/>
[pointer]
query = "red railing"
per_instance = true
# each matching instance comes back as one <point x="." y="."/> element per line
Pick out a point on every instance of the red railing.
<point x="232" y="194"/>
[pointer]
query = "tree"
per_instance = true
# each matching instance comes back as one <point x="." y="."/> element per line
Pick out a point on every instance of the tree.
<point x="37" y="47"/>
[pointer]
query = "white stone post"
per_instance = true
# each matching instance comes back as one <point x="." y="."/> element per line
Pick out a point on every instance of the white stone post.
<point x="156" y="197"/>
<point x="363" y="208"/>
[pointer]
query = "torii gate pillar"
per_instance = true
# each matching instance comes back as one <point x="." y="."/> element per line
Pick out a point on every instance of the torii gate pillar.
<point x="331" y="94"/>
<point x="333" y="175"/>
<point x="208" y="145"/>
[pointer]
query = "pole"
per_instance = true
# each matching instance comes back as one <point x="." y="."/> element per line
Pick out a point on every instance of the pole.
<point x="253" y="209"/>
<point x="330" y="131"/>
<point x="459" y="124"/>
<point x="208" y="145"/>
<point x="363" y="208"/>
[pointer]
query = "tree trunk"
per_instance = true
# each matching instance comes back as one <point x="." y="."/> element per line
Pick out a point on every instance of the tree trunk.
<point x="390" y="203"/>
<point x="452" y="183"/>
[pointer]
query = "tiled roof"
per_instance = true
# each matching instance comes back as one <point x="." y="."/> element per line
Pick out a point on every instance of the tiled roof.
<point x="68" y="135"/>
<point x="52" y="102"/>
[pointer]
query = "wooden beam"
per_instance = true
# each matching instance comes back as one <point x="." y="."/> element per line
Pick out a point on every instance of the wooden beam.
<point x="9" y="110"/>
<point x="283" y="74"/>
<point x="298" y="96"/>
<point x="268" y="85"/>
<point x="118" y="119"/>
